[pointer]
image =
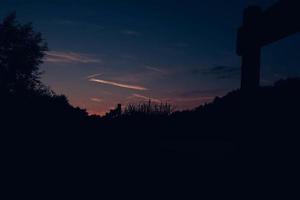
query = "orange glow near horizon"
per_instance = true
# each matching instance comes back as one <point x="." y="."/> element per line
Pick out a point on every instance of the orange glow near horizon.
<point x="98" y="107"/>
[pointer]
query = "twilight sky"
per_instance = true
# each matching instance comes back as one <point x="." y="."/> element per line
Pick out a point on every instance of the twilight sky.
<point x="105" y="52"/>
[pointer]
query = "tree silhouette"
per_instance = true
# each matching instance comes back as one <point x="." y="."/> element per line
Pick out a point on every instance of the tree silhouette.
<point x="21" y="52"/>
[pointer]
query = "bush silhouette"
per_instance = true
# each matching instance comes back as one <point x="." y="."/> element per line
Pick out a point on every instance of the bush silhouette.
<point x="149" y="109"/>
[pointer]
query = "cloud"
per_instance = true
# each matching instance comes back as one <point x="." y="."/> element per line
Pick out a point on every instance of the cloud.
<point x="93" y="76"/>
<point x="146" y="98"/>
<point x="132" y="87"/>
<point x="96" y="100"/>
<point x="155" y="69"/>
<point x="131" y="33"/>
<point x="69" y="57"/>
<point x="223" y="71"/>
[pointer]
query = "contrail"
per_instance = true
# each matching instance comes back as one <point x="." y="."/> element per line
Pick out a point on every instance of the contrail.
<point x="93" y="76"/>
<point x="70" y="57"/>
<point x="133" y="87"/>
<point x="155" y="69"/>
<point x="96" y="100"/>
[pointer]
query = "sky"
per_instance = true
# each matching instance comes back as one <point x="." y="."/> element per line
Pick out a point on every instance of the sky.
<point x="119" y="51"/>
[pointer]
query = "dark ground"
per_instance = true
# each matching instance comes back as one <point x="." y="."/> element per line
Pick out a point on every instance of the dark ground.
<point x="242" y="138"/>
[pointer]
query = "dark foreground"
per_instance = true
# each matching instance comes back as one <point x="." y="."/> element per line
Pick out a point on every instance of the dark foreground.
<point x="248" y="139"/>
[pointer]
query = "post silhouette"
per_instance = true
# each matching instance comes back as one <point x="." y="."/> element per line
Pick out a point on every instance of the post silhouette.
<point x="262" y="28"/>
<point x="249" y="48"/>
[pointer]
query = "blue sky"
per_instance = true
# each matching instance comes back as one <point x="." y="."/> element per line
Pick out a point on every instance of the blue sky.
<point x="108" y="52"/>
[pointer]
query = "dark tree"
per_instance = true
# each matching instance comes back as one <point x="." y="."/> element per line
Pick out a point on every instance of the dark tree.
<point x="21" y="52"/>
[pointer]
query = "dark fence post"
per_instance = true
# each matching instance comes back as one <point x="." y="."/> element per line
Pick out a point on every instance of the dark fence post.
<point x="249" y="48"/>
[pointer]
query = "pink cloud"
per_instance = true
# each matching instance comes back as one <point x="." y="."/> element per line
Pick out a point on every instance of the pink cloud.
<point x="70" y="57"/>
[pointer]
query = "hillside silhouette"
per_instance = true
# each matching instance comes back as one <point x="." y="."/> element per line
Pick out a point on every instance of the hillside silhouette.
<point x="238" y="120"/>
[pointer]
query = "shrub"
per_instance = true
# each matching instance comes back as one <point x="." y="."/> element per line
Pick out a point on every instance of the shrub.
<point x="149" y="109"/>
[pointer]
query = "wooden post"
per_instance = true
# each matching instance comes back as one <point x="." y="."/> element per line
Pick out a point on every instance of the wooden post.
<point x="249" y="48"/>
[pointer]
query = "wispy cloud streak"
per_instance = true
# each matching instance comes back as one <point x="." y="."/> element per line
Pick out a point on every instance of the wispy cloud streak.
<point x="70" y="57"/>
<point x="93" y="76"/>
<point x="133" y="87"/>
<point x="96" y="100"/>
<point x="155" y="69"/>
